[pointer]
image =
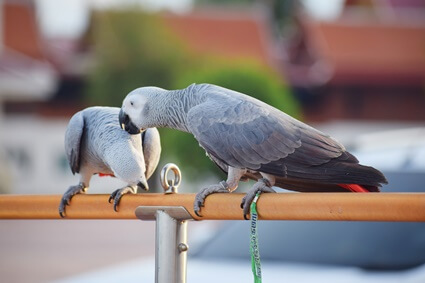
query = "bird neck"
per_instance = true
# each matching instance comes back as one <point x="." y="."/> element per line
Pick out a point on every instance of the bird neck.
<point x="174" y="105"/>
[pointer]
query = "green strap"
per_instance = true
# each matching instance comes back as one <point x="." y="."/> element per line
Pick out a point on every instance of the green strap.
<point x="254" y="249"/>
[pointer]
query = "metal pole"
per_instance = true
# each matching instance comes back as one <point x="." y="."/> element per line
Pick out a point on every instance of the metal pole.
<point x="165" y="248"/>
<point x="182" y="249"/>
<point x="170" y="241"/>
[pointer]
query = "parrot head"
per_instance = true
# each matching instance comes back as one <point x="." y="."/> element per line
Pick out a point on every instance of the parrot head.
<point x="127" y="125"/>
<point x="134" y="114"/>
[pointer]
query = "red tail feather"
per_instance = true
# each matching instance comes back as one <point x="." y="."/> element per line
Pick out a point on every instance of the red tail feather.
<point x="106" y="175"/>
<point x="354" y="188"/>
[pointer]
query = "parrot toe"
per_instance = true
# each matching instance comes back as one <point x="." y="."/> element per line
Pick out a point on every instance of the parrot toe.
<point x="67" y="196"/>
<point x="262" y="186"/>
<point x="117" y="195"/>
<point x="197" y="207"/>
<point x="202" y="195"/>
<point x="62" y="209"/>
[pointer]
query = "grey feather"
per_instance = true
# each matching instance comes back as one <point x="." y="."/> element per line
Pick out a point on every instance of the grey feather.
<point x="73" y="135"/>
<point x="242" y="132"/>
<point x="94" y="143"/>
<point x="246" y="133"/>
<point x="151" y="150"/>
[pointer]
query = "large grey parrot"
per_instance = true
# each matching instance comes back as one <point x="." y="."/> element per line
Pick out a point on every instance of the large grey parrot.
<point x="249" y="139"/>
<point x="95" y="144"/>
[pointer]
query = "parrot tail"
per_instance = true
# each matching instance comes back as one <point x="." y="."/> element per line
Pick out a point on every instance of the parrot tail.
<point x="359" y="188"/>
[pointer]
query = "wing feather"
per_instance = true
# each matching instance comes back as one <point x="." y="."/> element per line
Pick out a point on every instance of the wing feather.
<point x="73" y="136"/>
<point x="151" y="150"/>
<point x="246" y="133"/>
<point x="239" y="131"/>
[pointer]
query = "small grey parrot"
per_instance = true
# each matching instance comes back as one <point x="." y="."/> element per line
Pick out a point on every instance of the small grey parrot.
<point x="249" y="139"/>
<point x="95" y="144"/>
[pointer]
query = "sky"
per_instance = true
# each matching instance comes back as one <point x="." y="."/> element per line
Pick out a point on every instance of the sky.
<point x="68" y="18"/>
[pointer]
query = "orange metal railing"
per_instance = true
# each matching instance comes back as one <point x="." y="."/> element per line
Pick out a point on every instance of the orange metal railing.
<point x="282" y="206"/>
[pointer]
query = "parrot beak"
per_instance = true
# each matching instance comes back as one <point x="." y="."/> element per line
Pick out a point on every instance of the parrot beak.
<point x="121" y="118"/>
<point x="126" y="124"/>
<point x="143" y="185"/>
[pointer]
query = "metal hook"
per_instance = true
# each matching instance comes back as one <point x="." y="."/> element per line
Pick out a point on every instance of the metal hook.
<point x="170" y="185"/>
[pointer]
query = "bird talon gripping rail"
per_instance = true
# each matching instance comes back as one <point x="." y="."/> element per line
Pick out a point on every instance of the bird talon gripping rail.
<point x="171" y="212"/>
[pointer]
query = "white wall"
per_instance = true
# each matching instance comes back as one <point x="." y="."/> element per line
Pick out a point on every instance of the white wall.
<point x="35" y="157"/>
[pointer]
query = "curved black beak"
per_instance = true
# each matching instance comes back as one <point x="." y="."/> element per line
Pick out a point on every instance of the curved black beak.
<point x="126" y="124"/>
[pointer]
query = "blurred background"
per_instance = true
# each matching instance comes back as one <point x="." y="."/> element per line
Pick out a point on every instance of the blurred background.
<point x="352" y="68"/>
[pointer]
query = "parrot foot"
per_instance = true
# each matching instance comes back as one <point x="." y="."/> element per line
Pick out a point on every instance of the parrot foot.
<point x="117" y="195"/>
<point x="263" y="185"/>
<point x="67" y="196"/>
<point x="221" y="187"/>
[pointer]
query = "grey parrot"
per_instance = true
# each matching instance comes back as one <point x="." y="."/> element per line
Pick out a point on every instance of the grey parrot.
<point x="249" y="139"/>
<point x="95" y="144"/>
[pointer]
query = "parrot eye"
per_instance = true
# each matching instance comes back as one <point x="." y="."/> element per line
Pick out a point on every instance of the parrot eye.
<point x="131" y="103"/>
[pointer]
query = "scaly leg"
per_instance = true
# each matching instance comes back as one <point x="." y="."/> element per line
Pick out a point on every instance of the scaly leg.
<point x="67" y="196"/>
<point x="117" y="195"/>
<point x="228" y="186"/>
<point x="221" y="187"/>
<point x="263" y="185"/>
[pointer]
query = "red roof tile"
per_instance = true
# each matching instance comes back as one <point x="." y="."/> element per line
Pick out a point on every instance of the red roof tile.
<point x="368" y="51"/>
<point x="20" y="30"/>
<point x="227" y="33"/>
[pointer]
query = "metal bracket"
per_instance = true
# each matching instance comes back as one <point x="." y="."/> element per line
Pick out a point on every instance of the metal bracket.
<point x="149" y="212"/>
<point x="171" y="232"/>
<point x="170" y="241"/>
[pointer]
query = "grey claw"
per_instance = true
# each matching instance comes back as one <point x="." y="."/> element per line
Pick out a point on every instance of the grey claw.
<point x="198" y="213"/>
<point x="62" y="206"/>
<point x="245" y="205"/>
<point x="117" y="202"/>
<point x="62" y="210"/>
<point x="118" y="194"/>
<point x="67" y="196"/>
<point x="115" y="198"/>
<point x="222" y="187"/>
<point x="262" y="186"/>
<point x="197" y="207"/>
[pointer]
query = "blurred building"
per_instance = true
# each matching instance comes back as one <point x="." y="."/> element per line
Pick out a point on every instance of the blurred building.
<point x="235" y="33"/>
<point x="39" y="83"/>
<point x="26" y="76"/>
<point x="25" y="73"/>
<point x="36" y="72"/>
<point x="369" y="64"/>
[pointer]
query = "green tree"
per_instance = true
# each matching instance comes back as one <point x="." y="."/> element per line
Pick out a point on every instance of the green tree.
<point x="132" y="49"/>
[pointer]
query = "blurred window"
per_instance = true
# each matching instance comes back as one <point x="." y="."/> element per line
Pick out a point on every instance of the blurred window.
<point x="19" y="158"/>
